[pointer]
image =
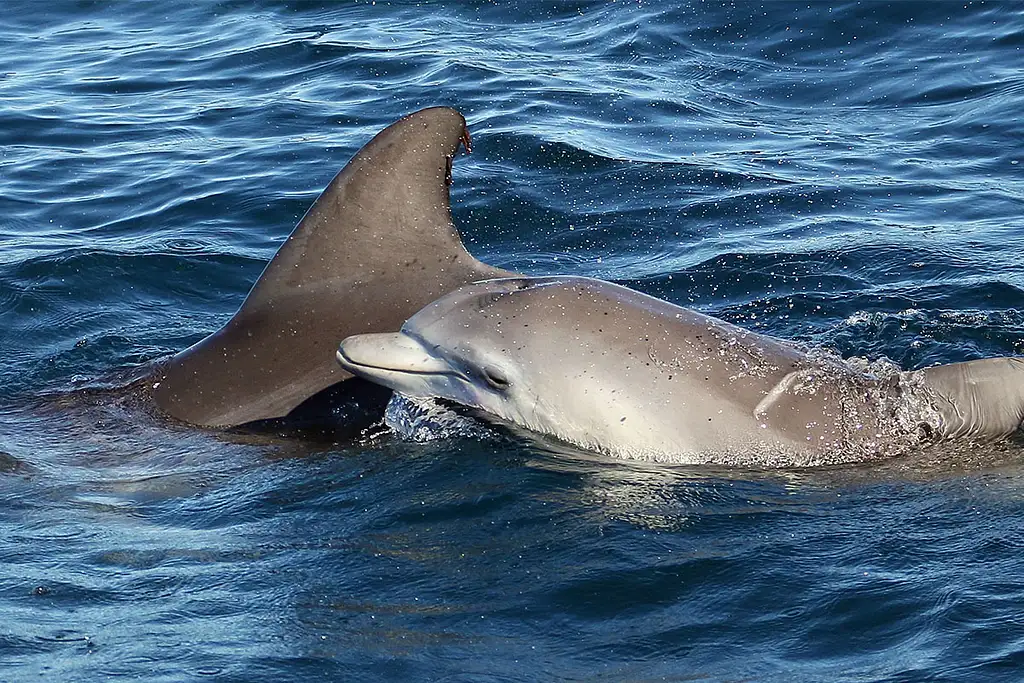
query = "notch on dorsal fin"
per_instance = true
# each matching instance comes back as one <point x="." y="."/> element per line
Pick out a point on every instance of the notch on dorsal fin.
<point x="376" y="246"/>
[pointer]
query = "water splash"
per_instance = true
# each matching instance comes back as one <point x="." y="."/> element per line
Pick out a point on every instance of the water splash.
<point x="423" y="419"/>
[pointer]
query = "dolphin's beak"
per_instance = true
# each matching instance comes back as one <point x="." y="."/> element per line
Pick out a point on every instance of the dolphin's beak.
<point x="386" y="357"/>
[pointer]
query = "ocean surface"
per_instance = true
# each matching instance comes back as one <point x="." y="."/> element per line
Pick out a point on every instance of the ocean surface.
<point x="848" y="175"/>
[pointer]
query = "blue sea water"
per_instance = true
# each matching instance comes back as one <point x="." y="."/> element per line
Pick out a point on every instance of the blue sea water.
<point x="847" y="174"/>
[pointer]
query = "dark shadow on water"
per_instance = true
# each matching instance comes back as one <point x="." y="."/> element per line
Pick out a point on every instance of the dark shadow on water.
<point x="337" y="414"/>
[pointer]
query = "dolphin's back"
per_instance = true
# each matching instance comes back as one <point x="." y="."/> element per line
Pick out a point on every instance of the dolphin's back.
<point x="980" y="399"/>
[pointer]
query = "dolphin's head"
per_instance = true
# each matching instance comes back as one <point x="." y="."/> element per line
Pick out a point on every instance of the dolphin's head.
<point x="454" y="348"/>
<point x="521" y="349"/>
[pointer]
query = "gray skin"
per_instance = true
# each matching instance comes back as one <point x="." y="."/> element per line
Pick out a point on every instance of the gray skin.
<point x="375" y="247"/>
<point x="612" y="370"/>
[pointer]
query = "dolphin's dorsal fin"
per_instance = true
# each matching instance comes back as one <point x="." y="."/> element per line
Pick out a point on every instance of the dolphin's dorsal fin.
<point x="376" y="246"/>
<point x="978" y="399"/>
<point x="388" y="205"/>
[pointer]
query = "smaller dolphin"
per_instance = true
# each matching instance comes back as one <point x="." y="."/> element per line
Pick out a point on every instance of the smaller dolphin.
<point x="613" y="370"/>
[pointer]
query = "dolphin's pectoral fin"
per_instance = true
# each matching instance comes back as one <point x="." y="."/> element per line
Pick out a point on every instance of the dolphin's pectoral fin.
<point x="980" y="399"/>
<point x="821" y="407"/>
<point x="777" y="393"/>
<point x="804" y="390"/>
<point x="375" y="247"/>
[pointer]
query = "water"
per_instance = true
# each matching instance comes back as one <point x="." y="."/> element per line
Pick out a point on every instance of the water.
<point x="845" y="174"/>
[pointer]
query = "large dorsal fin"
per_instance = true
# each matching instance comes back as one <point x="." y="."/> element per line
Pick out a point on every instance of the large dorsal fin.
<point x="376" y="246"/>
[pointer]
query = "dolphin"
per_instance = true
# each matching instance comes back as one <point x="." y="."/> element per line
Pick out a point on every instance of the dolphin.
<point x="376" y="246"/>
<point x="612" y="370"/>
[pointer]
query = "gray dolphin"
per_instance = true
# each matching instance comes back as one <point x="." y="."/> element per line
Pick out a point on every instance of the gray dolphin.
<point x="376" y="246"/>
<point x="610" y="369"/>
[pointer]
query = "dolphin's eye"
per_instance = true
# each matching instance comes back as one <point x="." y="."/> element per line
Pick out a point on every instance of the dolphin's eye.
<point x="495" y="377"/>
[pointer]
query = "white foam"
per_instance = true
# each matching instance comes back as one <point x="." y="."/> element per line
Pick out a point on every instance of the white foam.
<point x="424" y="419"/>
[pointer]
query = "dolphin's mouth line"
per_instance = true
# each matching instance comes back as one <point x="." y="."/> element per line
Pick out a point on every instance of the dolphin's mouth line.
<point x="347" y="362"/>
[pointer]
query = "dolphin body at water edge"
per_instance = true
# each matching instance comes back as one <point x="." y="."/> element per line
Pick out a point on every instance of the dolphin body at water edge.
<point x="612" y="370"/>
<point x="376" y="246"/>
